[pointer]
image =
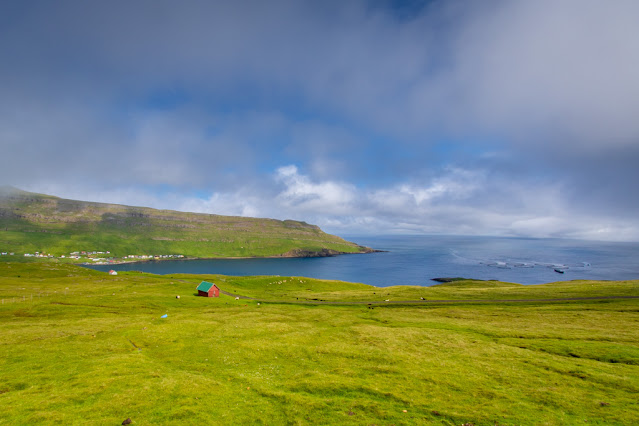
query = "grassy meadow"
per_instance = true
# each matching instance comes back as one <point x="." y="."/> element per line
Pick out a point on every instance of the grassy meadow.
<point x="78" y="346"/>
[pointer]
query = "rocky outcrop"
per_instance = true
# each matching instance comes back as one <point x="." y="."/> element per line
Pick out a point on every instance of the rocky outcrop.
<point x="323" y="252"/>
<point x="448" y="280"/>
<point x="310" y="253"/>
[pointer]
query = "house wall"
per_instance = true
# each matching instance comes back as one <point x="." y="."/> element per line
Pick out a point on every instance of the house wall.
<point x="213" y="292"/>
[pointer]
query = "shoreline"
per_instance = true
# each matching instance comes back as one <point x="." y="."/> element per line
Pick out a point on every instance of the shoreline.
<point x="303" y="256"/>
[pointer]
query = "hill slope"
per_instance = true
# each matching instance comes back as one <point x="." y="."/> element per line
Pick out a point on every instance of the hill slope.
<point x="32" y="222"/>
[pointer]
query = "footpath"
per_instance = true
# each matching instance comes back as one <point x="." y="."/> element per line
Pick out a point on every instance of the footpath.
<point x="422" y="302"/>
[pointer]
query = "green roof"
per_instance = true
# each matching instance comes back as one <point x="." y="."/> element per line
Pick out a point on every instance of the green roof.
<point x="205" y="286"/>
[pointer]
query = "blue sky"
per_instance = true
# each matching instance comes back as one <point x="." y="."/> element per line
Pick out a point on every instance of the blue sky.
<point x="364" y="117"/>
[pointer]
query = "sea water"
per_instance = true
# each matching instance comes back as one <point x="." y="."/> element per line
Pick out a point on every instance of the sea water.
<point x="415" y="260"/>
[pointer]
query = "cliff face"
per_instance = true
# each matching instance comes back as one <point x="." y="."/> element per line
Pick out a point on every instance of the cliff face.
<point x="72" y="225"/>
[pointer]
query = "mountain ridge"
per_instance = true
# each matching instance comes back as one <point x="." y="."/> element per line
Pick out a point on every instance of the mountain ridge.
<point x="45" y="223"/>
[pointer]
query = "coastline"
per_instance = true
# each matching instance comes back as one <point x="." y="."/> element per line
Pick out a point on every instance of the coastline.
<point x="301" y="255"/>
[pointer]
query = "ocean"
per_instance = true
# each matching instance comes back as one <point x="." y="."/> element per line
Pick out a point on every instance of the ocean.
<point x="416" y="259"/>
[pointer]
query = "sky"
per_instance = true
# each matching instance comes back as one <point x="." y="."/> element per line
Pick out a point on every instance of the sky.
<point x="506" y="118"/>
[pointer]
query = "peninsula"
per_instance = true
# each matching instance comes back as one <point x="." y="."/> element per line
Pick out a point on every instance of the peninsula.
<point x="47" y="226"/>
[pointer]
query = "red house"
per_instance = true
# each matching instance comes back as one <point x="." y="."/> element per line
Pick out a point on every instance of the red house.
<point x="207" y="289"/>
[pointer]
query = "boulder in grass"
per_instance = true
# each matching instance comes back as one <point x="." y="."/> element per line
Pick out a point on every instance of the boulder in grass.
<point x="127" y="421"/>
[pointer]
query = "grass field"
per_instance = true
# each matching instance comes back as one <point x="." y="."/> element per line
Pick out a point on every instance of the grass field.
<point x="78" y="346"/>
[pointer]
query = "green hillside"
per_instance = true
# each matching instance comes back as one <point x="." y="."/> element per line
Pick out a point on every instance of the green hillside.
<point x="79" y="346"/>
<point x="32" y="223"/>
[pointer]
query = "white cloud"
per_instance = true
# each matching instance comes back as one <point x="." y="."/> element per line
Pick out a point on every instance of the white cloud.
<point x="455" y="184"/>
<point x="440" y="205"/>
<point x="304" y="195"/>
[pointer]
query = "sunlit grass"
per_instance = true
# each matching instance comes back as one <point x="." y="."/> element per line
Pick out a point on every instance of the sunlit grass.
<point x="89" y="348"/>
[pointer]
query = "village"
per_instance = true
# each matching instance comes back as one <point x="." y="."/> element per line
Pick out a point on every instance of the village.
<point x="99" y="257"/>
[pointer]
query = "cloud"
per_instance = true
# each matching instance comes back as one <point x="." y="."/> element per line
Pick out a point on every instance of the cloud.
<point x="441" y="205"/>
<point x="510" y="118"/>
<point x="303" y="195"/>
<point x="565" y="69"/>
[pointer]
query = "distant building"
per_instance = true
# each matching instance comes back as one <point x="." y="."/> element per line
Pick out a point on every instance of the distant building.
<point x="112" y="272"/>
<point x="207" y="289"/>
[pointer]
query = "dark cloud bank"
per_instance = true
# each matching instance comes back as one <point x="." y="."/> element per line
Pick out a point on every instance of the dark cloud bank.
<point x="501" y="118"/>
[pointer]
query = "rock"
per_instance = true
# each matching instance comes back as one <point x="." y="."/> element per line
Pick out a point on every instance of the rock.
<point x="311" y="253"/>
<point x="127" y="421"/>
<point x="447" y="280"/>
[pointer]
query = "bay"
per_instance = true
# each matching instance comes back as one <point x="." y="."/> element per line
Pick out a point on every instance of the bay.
<point x="416" y="259"/>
